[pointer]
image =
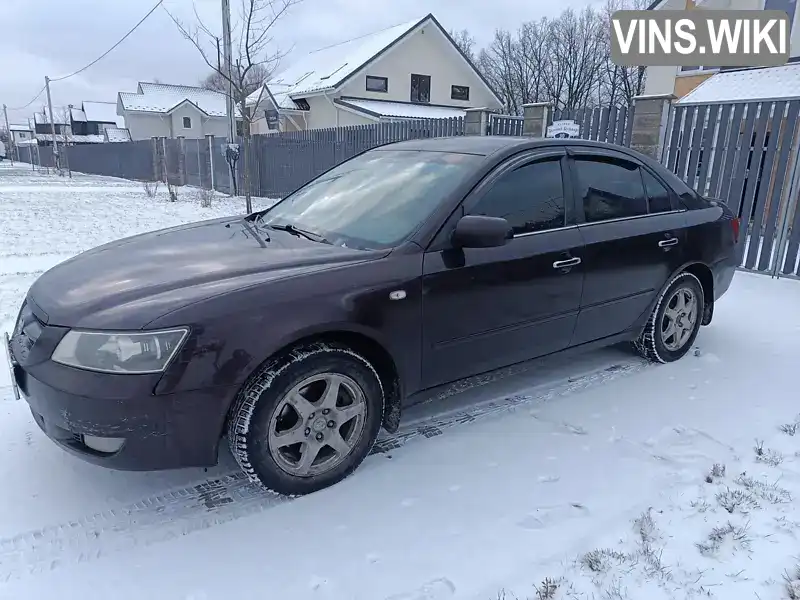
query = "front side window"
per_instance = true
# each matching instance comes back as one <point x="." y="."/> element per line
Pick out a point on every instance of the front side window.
<point x="187" y="122"/>
<point x="610" y="188"/>
<point x="657" y="195"/>
<point x="459" y="92"/>
<point x="530" y="198"/>
<point x="375" y="200"/>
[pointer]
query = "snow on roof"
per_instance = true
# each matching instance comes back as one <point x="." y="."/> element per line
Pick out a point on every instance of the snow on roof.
<point x="381" y="108"/>
<point x="78" y="115"/>
<point x="100" y="112"/>
<point x="19" y="128"/>
<point x="59" y="116"/>
<point x="61" y="139"/>
<point x="163" y="98"/>
<point x="773" y="83"/>
<point x="325" y="68"/>
<point x="117" y="134"/>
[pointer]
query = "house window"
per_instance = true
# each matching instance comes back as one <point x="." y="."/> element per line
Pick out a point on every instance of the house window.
<point x="692" y="69"/>
<point x="377" y="84"/>
<point x="187" y="122"/>
<point x="459" y="92"/>
<point x="22" y="135"/>
<point x="420" y="88"/>
<point x="302" y="104"/>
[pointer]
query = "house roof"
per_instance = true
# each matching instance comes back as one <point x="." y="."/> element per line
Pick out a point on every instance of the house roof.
<point x="100" y="112"/>
<point x="399" y="110"/>
<point x="19" y="128"/>
<point x="772" y="83"/>
<point x="117" y="134"/>
<point x="78" y="115"/>
<point x="163" y="98"/>
<point x="58" y="117"/>
<point x="330" y="67"/>
<point x="61" y="138"/>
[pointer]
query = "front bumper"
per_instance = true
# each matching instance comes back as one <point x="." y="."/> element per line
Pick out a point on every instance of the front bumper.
<point x="138" y="430"/>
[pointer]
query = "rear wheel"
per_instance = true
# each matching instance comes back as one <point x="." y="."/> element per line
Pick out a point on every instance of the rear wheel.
<point x="673" y="326"/>
<point x="306" y="421"/>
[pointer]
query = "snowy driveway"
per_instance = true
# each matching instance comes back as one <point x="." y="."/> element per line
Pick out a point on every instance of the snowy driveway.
<point x="588" y="477"/>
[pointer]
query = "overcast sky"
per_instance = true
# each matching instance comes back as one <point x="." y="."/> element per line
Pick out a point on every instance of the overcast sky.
<point x="57" y="37"/>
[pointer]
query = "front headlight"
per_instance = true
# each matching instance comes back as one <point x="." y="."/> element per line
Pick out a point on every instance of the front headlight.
<point x="119" y="352"/>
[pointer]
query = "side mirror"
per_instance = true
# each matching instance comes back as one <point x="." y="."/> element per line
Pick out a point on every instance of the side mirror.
<point x="477" y="231"/>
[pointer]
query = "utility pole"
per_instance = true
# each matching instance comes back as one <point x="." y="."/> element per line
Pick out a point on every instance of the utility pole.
<point x="227" y="53"/>
<point x="52" y="123"/>
<point x="10" y="137"/>
<point x="227" y="57"/>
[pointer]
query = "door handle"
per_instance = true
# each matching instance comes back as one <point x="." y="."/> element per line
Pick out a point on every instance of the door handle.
<point x="570" y="262"/>
<point x="668" y="243"/>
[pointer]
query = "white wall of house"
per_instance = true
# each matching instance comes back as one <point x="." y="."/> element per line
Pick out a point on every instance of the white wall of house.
<point x="143" y="125"/>
<point x="21" y="136"/>
<point x="425" y="52"/>
<point x="195" y="122"/>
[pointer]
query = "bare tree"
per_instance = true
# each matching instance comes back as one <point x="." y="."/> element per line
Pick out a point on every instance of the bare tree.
<point x="253" y="48"/>
<point x="465" y="42"/>
<point x="217" y="82"/>
<point x="621" y="83"/>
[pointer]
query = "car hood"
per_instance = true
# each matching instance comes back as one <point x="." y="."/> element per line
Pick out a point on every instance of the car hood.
<point x="128" y="283"/>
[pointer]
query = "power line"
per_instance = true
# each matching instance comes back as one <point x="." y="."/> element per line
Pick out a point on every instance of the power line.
<point x="31" y="102"/>
<point x="107" y="52"/>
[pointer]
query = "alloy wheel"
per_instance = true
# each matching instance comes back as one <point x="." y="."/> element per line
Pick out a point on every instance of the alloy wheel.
<point x="317" y="424"/>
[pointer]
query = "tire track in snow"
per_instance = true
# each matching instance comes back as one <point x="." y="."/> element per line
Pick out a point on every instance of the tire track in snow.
<point x="226" y="498"/>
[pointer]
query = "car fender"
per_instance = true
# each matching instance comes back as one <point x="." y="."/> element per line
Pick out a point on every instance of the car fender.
<point x="641" y="322"/>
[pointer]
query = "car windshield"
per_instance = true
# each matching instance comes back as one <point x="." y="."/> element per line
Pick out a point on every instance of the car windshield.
<point x="375" y="200"/>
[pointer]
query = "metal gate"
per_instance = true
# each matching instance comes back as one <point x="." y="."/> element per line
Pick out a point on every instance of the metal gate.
<point x="611" y="124"/>
<point x="744" y="154"/>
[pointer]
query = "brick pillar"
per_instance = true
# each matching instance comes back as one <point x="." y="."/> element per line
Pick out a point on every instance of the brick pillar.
<point x="476" y="121"/>
<point x="181" y="160"/>
<point x="650" y="115"/>
<point x="536" y="118"/>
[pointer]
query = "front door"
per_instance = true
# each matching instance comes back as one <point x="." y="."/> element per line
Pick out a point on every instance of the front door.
<point x="635" y="235"/>
<point x="485" y="308"/>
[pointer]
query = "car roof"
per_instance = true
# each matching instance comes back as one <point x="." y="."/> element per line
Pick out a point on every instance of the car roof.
<point x="485" y="145"/>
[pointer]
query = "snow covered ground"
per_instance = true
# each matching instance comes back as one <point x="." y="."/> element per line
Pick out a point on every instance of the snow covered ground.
<point x="593" y="477"/>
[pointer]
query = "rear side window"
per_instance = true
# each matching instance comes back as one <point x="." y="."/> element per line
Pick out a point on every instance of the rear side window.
<point x="530" y="198"/>
<point x="657" y="194"/>
<point x="609" y="188"/>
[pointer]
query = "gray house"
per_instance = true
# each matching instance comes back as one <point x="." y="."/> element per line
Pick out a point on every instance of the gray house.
<point x="158" y="109"/>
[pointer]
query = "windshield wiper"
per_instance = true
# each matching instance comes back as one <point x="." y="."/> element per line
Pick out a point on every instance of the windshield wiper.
<point x="309" y="235"/>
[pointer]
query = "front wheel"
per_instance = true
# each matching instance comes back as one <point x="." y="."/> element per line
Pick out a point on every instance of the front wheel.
<point x="675" y="322"/>
<point x="307" y="420"/>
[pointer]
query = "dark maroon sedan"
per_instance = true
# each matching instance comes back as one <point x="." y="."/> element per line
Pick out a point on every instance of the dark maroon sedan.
<point x="301" y="330"/>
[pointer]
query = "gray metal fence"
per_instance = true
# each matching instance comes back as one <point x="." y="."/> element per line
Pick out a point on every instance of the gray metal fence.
<point x="612" y="124"/>
<point x="283" y="162"/>
<point x="505" y="125"/>
<point x="745" y="154"/>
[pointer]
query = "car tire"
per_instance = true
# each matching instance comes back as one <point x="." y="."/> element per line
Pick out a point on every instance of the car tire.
<point x="672" y="327"/>
<point x="290" y="394"/>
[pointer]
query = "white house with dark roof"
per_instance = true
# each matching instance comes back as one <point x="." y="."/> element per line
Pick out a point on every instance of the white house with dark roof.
<point x="414" y="70"/>
<point x="158" y="109"/>
<point x="21" y="133"/>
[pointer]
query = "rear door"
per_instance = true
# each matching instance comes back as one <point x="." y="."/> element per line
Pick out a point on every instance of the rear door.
<point x="485" y="308"/>
<point x="634" y="234"/>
